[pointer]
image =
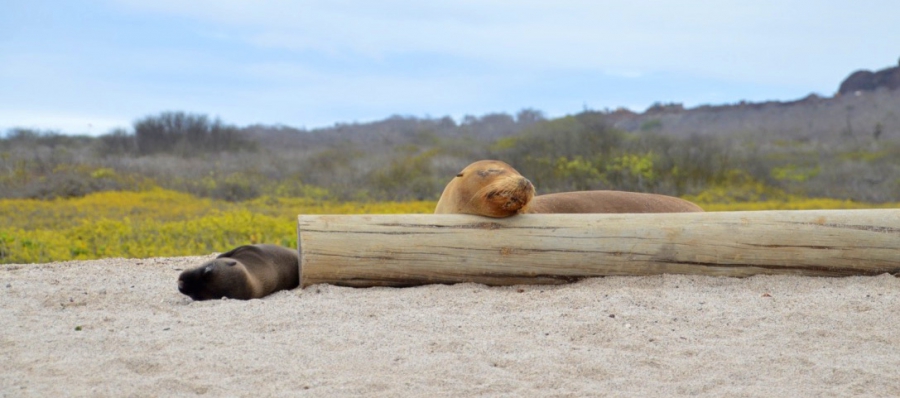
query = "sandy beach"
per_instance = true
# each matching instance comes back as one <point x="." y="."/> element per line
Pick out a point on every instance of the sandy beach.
<point x="119" y="327"/>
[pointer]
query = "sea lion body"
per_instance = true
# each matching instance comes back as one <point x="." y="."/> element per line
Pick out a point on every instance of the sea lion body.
<point x="245" y="272"/>
<point x="488" y="188"/>
<point x="495" y="189"/>
<point x="607" y="202"/>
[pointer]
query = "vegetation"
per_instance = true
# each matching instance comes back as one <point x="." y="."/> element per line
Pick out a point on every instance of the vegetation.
<point x="158" y="223"/>
<point x="182" y="184"/>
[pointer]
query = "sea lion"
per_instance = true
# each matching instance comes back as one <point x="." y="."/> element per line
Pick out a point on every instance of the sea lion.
<point x="608" y="202"/>
<point x="244" y="273"/>
<point x="488" y="188"/>
<point x="495" y="189"/>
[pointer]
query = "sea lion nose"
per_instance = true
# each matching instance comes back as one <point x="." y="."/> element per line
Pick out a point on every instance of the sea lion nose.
<point x="525" y="184"/>
<point x="181" y="286"/>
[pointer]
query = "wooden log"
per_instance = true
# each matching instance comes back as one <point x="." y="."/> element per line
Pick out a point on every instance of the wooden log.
<point x="407" y="250"/>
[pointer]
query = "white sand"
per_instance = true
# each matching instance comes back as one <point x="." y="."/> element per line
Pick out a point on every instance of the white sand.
<point x="617" y="336"/>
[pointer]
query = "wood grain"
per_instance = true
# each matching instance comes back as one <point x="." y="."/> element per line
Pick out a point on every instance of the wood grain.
<point x="408" y="250"/>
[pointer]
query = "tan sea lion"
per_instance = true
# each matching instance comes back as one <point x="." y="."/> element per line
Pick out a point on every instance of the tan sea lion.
<point x="608" y="202"/>
<point x="495" y="189"/>
<point x="488" y="188"/>
<point x="245" y="272"/>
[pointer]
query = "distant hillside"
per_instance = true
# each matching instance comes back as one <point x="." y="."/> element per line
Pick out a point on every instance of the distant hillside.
<point x="866" y="106"/>
<point x="842" y="147"/>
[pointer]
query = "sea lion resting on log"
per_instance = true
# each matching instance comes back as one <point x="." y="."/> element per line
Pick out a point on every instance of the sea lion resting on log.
<point x="244" y="273"/>
<point x="495" y="189"/>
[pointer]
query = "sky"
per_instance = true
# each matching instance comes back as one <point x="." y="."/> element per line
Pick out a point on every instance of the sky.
<point x="89" y="66"/>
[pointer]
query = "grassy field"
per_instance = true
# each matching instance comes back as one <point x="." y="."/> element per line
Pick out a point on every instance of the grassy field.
<point x="158" y="223"/>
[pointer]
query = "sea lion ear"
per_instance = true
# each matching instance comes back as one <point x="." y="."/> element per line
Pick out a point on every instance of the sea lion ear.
<point x="459" y="175"/>
<point x="231" y="263"/>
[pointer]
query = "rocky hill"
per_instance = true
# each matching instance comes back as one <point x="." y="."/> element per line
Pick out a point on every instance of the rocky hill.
<point x="864" y="80"/>
<point x="866" y="106"/>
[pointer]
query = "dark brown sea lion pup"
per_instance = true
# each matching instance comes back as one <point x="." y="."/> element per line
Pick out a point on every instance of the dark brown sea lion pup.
<point x="495" y="189"/>
<point x="244" y="273"/>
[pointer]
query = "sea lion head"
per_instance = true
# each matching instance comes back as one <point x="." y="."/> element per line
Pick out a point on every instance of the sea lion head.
<point x="487" y="188"/>
<point x="221" y="277"/>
